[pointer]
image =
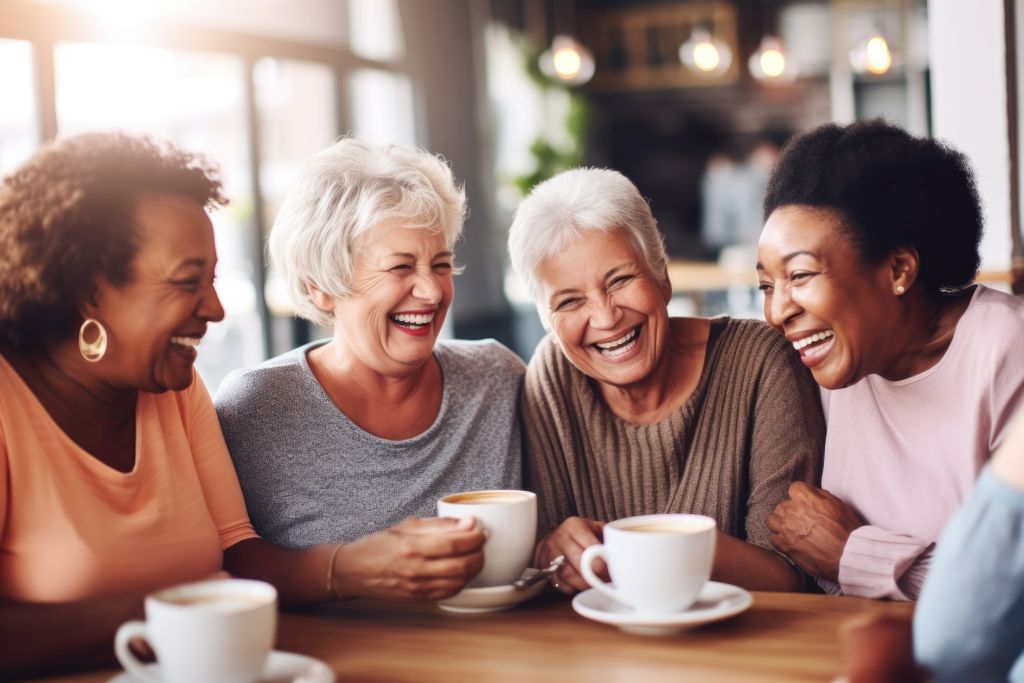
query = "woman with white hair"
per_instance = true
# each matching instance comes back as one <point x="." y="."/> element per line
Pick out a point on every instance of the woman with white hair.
<point x="628" y="411"/>
<point x="342" y="439"/>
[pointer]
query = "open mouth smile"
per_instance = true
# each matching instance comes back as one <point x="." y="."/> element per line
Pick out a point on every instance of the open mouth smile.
<point x="620" y="346"/>
<point x="417" y="323"/>
<point x="814" y="347"/>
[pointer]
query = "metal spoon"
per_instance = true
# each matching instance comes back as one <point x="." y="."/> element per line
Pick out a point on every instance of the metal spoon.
<point x="543" y="574"/>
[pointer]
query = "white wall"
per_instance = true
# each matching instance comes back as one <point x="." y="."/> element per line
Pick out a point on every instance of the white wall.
<point x="969" y="106"/>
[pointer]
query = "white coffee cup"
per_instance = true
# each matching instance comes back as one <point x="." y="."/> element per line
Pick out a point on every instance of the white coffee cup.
<point x="658" y="563"/>
<point x="217" y="631"/>
<point x="509" y="519"/>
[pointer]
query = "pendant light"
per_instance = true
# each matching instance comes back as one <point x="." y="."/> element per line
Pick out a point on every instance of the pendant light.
<point x="567" y="60"/>
<point x="872" y="55"/>
<point x="705" y="54"/>
<point x="770" y="63"/>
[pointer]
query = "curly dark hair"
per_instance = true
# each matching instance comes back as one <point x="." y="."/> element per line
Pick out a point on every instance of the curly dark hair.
<point x="67" y="216"/>
<point x="891" y="190"/>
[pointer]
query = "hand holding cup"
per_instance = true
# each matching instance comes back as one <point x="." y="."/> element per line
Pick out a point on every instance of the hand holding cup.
<point x="419" y="559"/>
<point x="509" y="520"/>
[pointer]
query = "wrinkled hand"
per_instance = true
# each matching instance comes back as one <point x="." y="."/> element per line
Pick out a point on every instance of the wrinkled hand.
<point x="878" y="649"/>
<point x="419" y="559"/>
<point x="812" y="527"/>
<point x="571" y="538"/>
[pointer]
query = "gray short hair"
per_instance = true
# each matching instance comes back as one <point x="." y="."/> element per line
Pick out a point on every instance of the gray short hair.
<point x="342" y="193"/>
<point x="573" y="202"/>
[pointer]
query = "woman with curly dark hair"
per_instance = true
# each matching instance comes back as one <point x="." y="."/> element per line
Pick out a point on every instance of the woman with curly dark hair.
<point x="867" y="262"/>
<point x="114" y="475"/>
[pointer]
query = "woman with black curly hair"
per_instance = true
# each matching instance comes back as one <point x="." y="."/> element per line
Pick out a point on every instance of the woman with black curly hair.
<point x="114" y="475"/>
<point x="867" y="263"/>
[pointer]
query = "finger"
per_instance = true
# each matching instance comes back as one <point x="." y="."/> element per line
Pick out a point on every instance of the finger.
<point x="774" y="521"/>
<point x="779" y="541"/>
<point x="433" y="525"/>
<point x="571" y="581"/>
<point x="583" y="535"/>
<point x="452" y="544"/>
<point x="800" y="488"/>
<point x="462" y="568"/>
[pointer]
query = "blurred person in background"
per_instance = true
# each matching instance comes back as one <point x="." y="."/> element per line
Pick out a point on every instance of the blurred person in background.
<point x="867" y="262"/>
<point x="114" y="476"/>
<point x="628" y="411"/>
<point x="353" y="439"/>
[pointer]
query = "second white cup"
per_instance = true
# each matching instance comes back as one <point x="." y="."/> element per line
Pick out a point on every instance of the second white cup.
<point x="217" y="631"/>
<point x="658" y="563"/>
<point x="509" y="519"/>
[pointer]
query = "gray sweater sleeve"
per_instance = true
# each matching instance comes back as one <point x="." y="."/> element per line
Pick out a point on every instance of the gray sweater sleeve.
<point x="969" y="623"/>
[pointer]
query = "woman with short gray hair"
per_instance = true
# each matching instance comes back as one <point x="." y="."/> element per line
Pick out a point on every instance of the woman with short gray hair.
<point x="342" y="439"/>
<point x="628" y="411"/>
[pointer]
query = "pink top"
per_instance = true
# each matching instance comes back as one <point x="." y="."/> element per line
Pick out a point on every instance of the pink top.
<point x="71" y="527"/>
<point x="905" y="454"/>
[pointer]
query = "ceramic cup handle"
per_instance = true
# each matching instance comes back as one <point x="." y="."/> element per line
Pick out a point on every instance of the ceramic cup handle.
<point x="128" y="631"/>
<point x="589" y="555"/>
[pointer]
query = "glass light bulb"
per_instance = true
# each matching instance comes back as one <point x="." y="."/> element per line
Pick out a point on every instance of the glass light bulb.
<point x="705" y="56"/>
<point x="773" y="63"/>
<point x="879" y="57"/>
<point x="566" y="62"/>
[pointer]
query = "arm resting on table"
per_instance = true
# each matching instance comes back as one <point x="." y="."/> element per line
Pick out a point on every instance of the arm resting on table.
<point x="39" y="639"/>
<point x="300" y="576"/>
<point x="752" y="567"/>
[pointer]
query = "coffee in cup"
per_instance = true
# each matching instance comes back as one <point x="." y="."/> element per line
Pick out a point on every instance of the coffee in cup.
<point x="217" y="631"/>
<point x="658" y="563"/>
<point x="509" y="519"/>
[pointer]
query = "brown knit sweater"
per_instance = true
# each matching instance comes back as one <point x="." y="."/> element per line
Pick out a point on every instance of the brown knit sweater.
<point x="752" y="426"/>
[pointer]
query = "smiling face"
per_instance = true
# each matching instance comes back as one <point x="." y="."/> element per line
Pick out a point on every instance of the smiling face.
<point x="840" y="314"/>
<point x="155" y="321"/>
<point x="403" y="283"/>
<point x="606" y="307"/>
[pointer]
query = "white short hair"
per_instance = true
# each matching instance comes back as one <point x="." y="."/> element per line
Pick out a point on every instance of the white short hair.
<point x="562" y="208"/>
<point x="342" y="193"/>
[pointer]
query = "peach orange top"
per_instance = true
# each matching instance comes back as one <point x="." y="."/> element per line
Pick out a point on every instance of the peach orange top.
<point x="72" y="528"/>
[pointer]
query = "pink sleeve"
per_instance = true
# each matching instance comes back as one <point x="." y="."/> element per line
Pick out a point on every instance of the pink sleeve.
<point x="216" y="472"/>
<point x="881" y="564"/>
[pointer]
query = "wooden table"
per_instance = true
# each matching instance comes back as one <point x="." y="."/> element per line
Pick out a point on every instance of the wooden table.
<point x="782" y="637"/>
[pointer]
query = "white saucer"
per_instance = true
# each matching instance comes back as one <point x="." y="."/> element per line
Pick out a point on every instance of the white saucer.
<point x="491" y="599"/>
<point x="281" y="667"/>
<point x="716" y="601"/>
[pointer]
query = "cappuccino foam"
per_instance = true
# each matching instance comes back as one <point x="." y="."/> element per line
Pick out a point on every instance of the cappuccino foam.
<point x="484" y="497"/>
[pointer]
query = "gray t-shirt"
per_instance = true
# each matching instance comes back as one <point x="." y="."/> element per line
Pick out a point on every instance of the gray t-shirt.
<point x="310" y="475"/>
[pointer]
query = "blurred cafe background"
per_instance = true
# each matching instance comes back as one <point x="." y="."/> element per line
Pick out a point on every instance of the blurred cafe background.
<point x="691" y="100"/>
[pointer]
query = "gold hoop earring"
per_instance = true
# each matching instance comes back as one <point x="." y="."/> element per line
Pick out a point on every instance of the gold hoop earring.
<point x="94" y="351"/>
<point x="900" y="289"/>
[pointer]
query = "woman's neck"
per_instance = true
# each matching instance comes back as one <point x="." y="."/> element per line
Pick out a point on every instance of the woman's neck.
<point x="57" y="375"/>
<point x="672" y="380"/>
<point x="929" y="324"/>
<point x="393" y="407"/>
<point x="333" y="364"/>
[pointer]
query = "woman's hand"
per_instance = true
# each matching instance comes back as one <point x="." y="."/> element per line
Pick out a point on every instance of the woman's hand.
<point x="812" y="527"/>
<point x="419" y="559"/>
<point x="571" y="538"/>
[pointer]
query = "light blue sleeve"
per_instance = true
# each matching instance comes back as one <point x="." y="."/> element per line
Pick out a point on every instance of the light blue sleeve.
<point x="969" y="623"/>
